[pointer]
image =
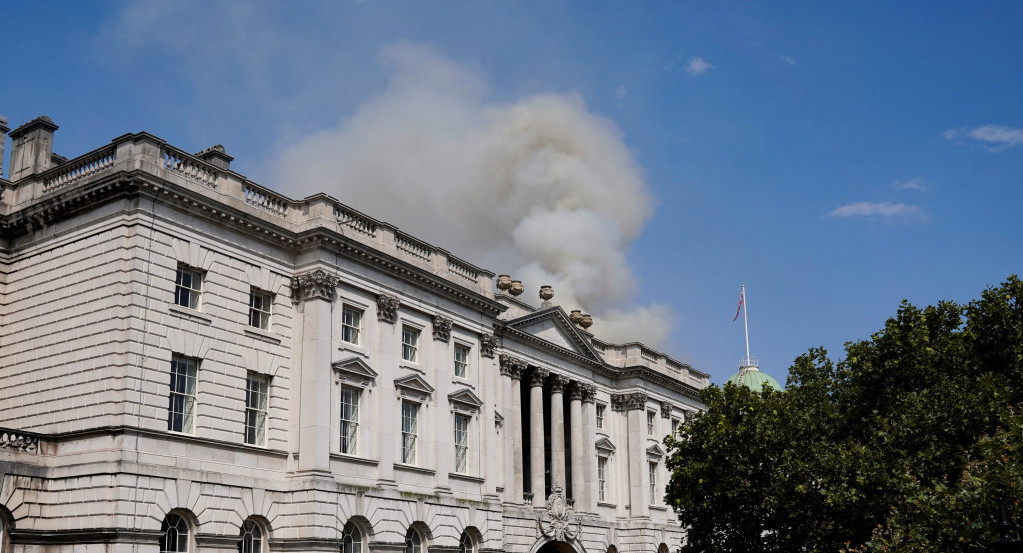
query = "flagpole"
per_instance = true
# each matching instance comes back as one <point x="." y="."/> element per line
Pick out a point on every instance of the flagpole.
<point x="745" y="321"/>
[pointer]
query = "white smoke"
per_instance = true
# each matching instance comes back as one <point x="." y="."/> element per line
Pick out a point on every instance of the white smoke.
<point x="539" y="188"/>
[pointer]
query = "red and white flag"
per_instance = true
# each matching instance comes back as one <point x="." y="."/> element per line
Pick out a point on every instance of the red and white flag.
<point x="742" y="300"/>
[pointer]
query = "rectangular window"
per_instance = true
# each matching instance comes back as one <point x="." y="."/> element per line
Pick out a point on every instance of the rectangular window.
<point x="409" y="431"/>
<point x="256" y="391"/>
<point x="351" y="325"/>
<point x="409" y="342"/>
<point x="461" y="361"/>
<point x="600" y="416"/>
<point x="602" y="479"/>
<point x="461" y="443"/>
<point x="187" y="287"/>
<point x="181" y="413"/>
<point x="259" y="308"/>
<point x="650" y="417"/>
<point x="674" y="426"/>
<point x="653" y="483"/>
<point x="349" y="420"/>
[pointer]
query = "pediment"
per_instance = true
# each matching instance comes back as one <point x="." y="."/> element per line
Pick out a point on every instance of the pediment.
<point x="465" y="399"/>
<point x="604" y="447"/>
<point x="553" y="327"/>
<point x="654" y="452"/>
<point x="355" y="370"/>
<point x="413" y="386"/>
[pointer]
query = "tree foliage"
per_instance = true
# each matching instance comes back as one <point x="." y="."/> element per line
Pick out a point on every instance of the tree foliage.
<point x="905" y="445"/>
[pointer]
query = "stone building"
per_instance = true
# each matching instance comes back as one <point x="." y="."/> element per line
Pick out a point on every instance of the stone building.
<point x="190" y="361"/>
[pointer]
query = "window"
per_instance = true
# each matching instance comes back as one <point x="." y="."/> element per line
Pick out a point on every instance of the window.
<point x="409" y="341"/>
<point x="653" y="482"/>
<point x="602" y="479"/>
<point x="174" y="534"/>
<point x="674" y="426"/>
<point x="349" y="420"/>
<point x="187" y="287"/>
<point x="181" y="412"/>
<point x="351" y="539"/>
<point x="461" y="361"/>
<point x="465" y="544"/>
<point x="409" y="430"/>
<point x="351" y="325"/>
<point x="252" y="538"/>
<point x="413" y="543"/>
<point x="259" y="308"/>
<point x="600" y="415"/>
<point x="650" y="417"/>
<point x="461" y="443"/>
<point x="256" y="391"/>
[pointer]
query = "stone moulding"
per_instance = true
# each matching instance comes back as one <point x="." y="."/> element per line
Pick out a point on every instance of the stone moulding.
<point x="314" y="285"/>
<point x="557" y="521"/>
<point x="387" y="308"/>
<point x="13" y="440"/>
<point x="441" y="328"/>
<point x="628" y="402"/>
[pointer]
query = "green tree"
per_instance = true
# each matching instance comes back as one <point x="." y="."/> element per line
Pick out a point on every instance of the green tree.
<point x="851" y="455"/>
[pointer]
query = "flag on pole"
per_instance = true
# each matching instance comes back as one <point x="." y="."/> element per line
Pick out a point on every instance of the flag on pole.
<point x="742" y="300"/>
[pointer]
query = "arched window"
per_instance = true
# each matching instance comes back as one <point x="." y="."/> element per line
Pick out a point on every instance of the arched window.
<point x="413" y="543"/>
<point x="465" y="545"/>
<point x="351" y="539"/>
<point x="174" y="534"/>
<point x="252" y="538"/>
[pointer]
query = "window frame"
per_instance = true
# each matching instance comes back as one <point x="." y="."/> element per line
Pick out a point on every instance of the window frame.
<point x="602" y="487"/>
<point x="410" y="344"/>
<point x="166" y="527"/>
<point x="600" y="412"/>
<point x="348" y="419"/>
<point x="351" y="333"/>
<point x="651" y="419"/>
<point x="256" y="412"/>
<point x="246" y="533"/>
<point x="348" y="542"/>
<point x="184" y="370"/>
<point x="652" y="475"/>
<point x="409" y="432"/>
<point x="463" y="363"/>
<point x="466" y="544"/>
<point x="462" y="449"/>
<point x="186" y="295"/>
<point x="262" y="316"/>
<point x="413" y="541"/>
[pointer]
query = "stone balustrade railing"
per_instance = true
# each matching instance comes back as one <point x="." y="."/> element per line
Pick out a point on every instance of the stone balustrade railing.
<point x="354" y="220"/>
<point x="264" y="199"/>
<point x="411" y="246"/>
<point x="632" y="354"/>
<point x="78" y="168"/>
<point x="15" y="440"/>
<point x="191" y="167"/>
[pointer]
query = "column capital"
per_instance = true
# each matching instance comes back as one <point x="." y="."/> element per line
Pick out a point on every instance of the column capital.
<point x="387" y="308"/>
<point x="511" y="366"/>
<point x="314" y="285"/>
<point x="537" y="376"/>
<point x="589" y="392"/>
<point x="558" y="383"/>
<point x="575" y="391"/>
<point x="628" y="402"/>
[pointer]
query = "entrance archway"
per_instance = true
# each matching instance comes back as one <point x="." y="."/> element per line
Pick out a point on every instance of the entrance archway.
<point x="556" y="547"/>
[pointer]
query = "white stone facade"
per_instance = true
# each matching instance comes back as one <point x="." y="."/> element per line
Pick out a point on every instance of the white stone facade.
<point x="181" y="346"/>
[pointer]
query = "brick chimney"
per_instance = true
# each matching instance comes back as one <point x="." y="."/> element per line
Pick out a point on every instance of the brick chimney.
<point x="31" y="148"/>
<point x="3" y="143"/>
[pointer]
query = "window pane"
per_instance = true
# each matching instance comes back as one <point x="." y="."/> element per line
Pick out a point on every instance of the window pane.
<point x="349" y="420"/>
<point x="181" y="404"/>
<point x="257" y="390"/>
<point x="409" y="423"/>
<point x="351" y="325"/>
<point x="461" y="443"/>
<point x="409" y="341"/>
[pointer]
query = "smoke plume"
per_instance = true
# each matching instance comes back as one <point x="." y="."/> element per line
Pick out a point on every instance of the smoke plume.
<point x="539" y="188"/>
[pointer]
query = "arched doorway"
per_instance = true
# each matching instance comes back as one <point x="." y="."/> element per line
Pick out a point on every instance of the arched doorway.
<point x="556" y="547"/>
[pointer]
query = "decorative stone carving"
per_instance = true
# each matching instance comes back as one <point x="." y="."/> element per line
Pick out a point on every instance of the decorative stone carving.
<point x="503" y="282"/>
<point x="576" y="316"/>
<point x="488" y="343"/>
<point x="314" y="285"/>
<point x="546" y="293"/>
<point x="558" y="521"/>
<point x="387" y="308"/>
<point x="586" y="322"/>
<point x="666" y="409"/>
<point x="511" y="366"/>
<point x="18" y="441"/>
<point x="441" y="328"/>
<point x="558" y="383"/>
<point x="628" y="402"/>
<point x="575" y="391"/>
<point x="516" y="288"/>
<point x="589" y="392"/>
<point x="537" y="376"/>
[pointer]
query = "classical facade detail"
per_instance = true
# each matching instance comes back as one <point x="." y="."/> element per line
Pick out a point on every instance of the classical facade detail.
<point x="511" y="367"/>
<point x="666" y="409"/>
<point x="441" y="328"/>
<point x="558" y="383"/>
<point x="314" y="285"/>
<point x="575" y="391"/>
<point x="387" y="308"/>
<point x="589" y="393"/>
<point x="488" y="343"/>
<point x="628" y="402"/>
<point x="18" y="441"/>
<point x="537" y="375"/>
<point x="557" y="521"/>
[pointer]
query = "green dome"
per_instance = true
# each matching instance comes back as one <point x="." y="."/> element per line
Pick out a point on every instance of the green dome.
<point x="753" y="379"/>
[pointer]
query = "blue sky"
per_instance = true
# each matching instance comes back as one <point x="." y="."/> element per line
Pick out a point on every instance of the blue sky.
<point x="834" y="158"/>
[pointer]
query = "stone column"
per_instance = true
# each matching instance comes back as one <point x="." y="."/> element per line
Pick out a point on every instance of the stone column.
<point x="536" y="435"/>
<point x="575" y="407"/>
<point x="558" y="472"/>
<point x="589" y="451"/>
<point x="512" y="368"/>
<point x="634" y="405"/>
<point x="315" y="292"/>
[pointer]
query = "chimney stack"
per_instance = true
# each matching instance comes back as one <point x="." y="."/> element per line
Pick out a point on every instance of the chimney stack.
<point x="31" y="148"/>
<point x="3" y="143"/>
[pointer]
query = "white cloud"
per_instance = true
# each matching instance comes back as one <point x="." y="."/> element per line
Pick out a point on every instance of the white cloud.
<point x="879" y="210"/>
<point x="697" y="66"/>
<point x="911" y="184"/>
<point x="788" y="60"/>
<point x="539" y="187"/>
<point x="993" y="137"/>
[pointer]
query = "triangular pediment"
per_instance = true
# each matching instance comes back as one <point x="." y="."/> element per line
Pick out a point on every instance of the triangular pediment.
<point x="654" y="452"/>
<point x="604" y="447"/>
<point x="355" y="369"/>
<point x="413" y="385"/>
<point x="552" y="326"/>
<point x="465" y="398"/>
